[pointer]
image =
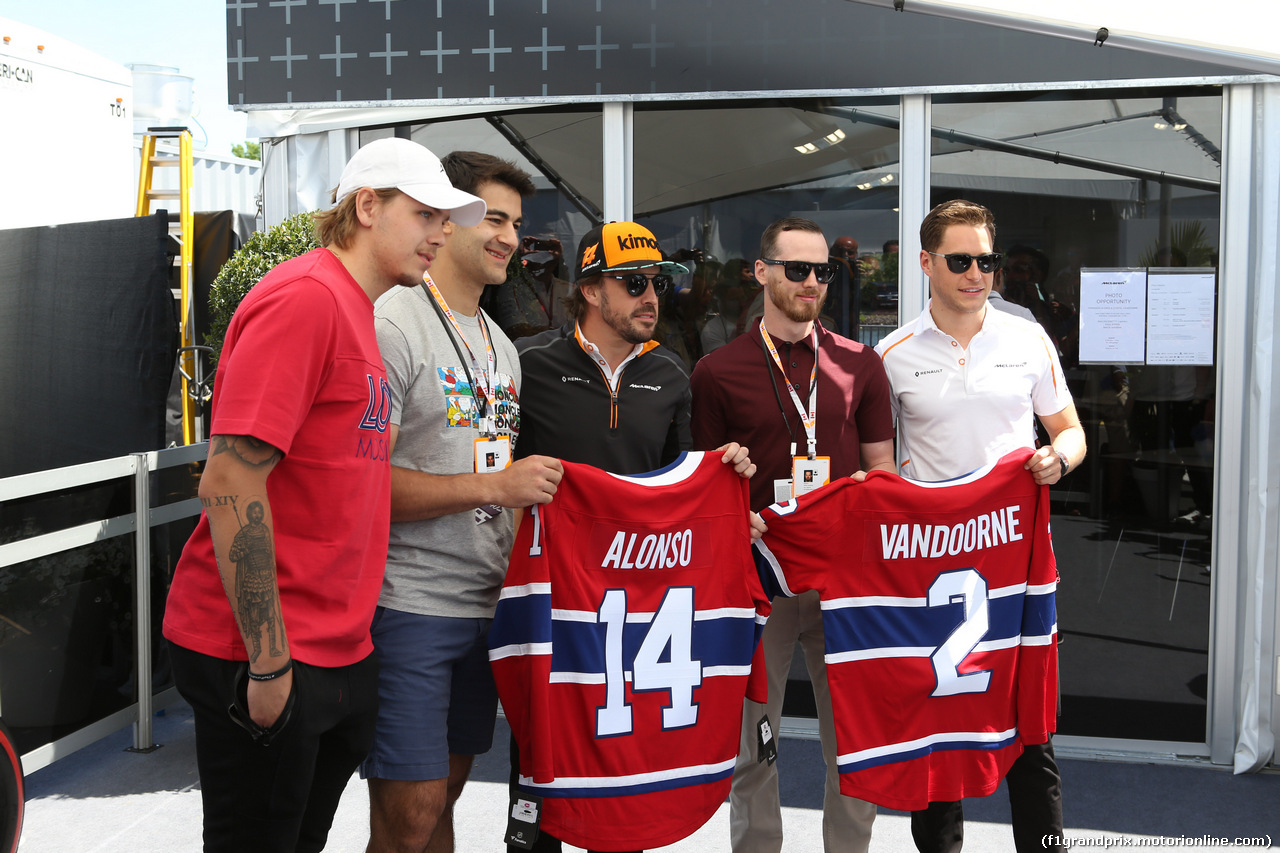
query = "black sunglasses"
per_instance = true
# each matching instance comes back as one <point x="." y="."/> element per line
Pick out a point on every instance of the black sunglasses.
<point x="958" y="262"/>
<point x="799" y="270"/>
<point x="637" y="284"/>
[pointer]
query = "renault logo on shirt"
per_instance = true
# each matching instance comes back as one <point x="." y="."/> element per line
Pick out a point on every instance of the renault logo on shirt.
<point x="920" y="373"/>
<point x="575" y="379"/>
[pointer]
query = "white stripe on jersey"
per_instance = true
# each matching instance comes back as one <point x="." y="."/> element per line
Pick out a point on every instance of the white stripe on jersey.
<point x="631" y="779"/>
<point x="645" y="617"/>
<point x="1041" y="639"/>
<point x="713" y="671"/>
<point x="561" y="676"/>
<point x="881" y="652"/>
<point x="772" y="560"/>
<point x="923" y="601"/>
<point x="560" y="615"/>
<point x="997" y="645"/>
<point x="524" y="590"/>
<point x="679" y="471"/>
<point x="928" y="740"/>
<point x="875" y="601"/>
<point x="518" y="649"/>
<point x="724" y="613"/>
<point x="920" y="651"/>
<point x="565" y="677"/>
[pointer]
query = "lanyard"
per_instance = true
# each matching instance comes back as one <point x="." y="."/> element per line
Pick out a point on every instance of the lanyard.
<point x="483" y="381"/>
<point x="809" y="418"/>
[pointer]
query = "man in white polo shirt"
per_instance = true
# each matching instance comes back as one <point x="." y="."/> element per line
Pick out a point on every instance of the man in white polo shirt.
<point x="967" y="384"/>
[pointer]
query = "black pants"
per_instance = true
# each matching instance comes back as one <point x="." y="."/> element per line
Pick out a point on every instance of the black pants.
<point x="280" y="797"/>
<point x="1035" y="802"/>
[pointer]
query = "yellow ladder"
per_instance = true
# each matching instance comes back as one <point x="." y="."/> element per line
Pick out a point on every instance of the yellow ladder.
<point x="194" y="388"/>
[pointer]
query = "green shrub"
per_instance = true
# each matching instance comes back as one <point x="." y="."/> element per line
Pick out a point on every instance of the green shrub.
<point x="247" y="266"/>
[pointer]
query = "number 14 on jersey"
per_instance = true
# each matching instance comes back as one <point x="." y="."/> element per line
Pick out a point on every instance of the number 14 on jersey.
<point x="664" y="661"/>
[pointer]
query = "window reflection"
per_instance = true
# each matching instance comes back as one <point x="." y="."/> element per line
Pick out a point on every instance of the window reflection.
<point x="708" y="192"/>
<point x="1080" y="182"/>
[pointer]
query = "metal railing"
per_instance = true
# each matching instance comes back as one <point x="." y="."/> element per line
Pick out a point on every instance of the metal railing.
<point x="140" y="467"/>
<point x="871" y="335"/>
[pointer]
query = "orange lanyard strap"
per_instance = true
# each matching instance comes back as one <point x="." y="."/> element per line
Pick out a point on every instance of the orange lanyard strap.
<point x="809" y="418"/>
<point x="482" y="380"/>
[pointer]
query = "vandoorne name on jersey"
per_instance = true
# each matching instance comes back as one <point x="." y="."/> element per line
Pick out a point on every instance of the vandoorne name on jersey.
<point x="930" y="541"/>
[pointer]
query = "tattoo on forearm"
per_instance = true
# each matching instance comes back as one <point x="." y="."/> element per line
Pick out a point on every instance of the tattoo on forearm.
<point x="219" y="501"/>
<point x="256" y="604"/>
<point x="247" y="449"/>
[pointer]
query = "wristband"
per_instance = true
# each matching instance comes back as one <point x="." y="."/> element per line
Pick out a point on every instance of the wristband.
<point x="1062" y="460"/>
<point x="271" y="676"/>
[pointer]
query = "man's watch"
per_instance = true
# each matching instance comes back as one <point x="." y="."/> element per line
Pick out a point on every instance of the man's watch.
<point x="1062" y="460"/>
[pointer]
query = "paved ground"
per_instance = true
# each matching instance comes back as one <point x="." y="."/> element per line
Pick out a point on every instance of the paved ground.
<point x="105" y="800"/>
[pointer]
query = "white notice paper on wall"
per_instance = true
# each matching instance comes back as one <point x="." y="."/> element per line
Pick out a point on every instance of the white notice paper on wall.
<point x="1113" y="315"/>
<point x="1180" y="316"/>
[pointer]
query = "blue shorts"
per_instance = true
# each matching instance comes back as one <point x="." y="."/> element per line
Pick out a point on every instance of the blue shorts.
<point x="436" y="694"/>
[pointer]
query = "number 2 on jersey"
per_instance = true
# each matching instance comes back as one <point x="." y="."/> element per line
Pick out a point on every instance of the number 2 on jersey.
<point x="669" y="635"/>
<point x="969" y="588"/>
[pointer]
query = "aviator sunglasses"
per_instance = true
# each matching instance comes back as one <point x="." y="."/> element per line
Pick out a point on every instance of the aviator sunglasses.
<point x="799" y="270"/>
<point x="636" y="283"/>
<point x="958" y="262"/>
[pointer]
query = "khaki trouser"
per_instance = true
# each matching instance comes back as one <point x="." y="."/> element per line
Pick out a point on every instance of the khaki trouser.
<point x="755" y="813"/>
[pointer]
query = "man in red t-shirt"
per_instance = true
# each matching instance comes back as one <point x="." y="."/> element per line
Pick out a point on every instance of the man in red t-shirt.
<point x="269" y="611"/>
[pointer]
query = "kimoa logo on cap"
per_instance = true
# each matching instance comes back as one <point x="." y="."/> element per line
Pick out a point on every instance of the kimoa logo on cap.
<point x="631" y="242"/>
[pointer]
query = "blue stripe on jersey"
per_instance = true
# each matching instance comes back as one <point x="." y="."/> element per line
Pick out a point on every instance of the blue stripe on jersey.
<point x="522" y="620"/>
<point x="857" y="629"/>
<point x="765" y="568"/>
<point x="1040" y="615"/>
<point x="621" y="789"/>
<point x="908" y="753"/>
<point x="681" y="468"/>
<point x="723" y="641"/>
<point x="673" y="465"/>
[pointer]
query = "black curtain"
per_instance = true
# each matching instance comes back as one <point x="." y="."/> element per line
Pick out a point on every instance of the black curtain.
<point x="88" y="336"/>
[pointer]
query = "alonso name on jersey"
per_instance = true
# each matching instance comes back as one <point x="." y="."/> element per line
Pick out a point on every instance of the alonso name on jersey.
<point x="621" y="648"/>
<point x="940" y="622"/>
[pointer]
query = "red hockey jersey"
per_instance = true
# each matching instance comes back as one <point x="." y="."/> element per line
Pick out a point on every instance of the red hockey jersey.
<point x="940" y="622"/>
<point x="621" y="647"/>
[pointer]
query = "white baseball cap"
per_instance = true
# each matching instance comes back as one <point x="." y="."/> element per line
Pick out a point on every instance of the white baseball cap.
<point x="409" y="167"/>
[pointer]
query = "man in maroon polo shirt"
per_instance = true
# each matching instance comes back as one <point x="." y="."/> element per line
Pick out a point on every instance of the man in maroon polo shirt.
<point x="812" y="406"/>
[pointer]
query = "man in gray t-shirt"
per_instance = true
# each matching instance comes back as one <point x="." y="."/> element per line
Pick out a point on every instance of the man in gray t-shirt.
<point x="455" y="383"/>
